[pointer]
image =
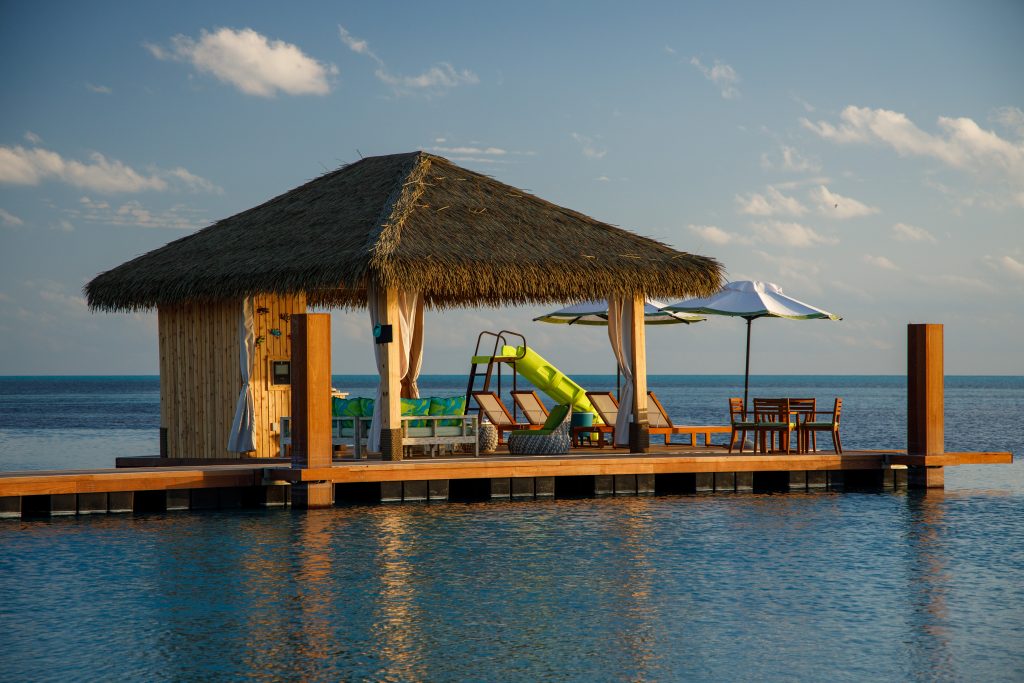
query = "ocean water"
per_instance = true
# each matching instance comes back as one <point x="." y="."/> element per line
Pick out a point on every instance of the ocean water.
<point x="890" y="586"/>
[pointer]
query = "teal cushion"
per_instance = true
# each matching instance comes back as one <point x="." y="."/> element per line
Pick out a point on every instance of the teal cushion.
<point x="366" y="407"/>
<point x="416" y="406"/>
<point x="453" y="405"/>
<point x="346" y="407"/>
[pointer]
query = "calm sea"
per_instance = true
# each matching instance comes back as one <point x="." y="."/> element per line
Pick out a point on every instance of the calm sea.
<point x="849" y="586"/>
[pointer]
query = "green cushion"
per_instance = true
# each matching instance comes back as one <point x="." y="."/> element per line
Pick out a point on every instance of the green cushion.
<point x="555" y="418"/>
<point x="346" y="407"/>
<point x="818" y="424"/>
<point x="416" y="406"/>
<point x="452" y="405"/>
<point x="773" y="425"/>
<point x="744" y="425"/>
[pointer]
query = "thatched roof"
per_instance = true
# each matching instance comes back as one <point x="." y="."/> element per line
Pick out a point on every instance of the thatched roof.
<point x="416" y="221"/>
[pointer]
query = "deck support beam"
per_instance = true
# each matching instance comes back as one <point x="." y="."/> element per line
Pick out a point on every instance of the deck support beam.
<point x="311" y="405"/>
<point x="639" y="429"/>
<point x="925" y="402"/>
<point x="390" y="376"/>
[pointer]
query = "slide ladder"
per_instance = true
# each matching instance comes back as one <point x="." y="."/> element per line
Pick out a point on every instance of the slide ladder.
<point x="526" y="362"/>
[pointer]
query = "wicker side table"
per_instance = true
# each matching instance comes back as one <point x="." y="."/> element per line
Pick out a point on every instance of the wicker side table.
<point x="487" y="437"/>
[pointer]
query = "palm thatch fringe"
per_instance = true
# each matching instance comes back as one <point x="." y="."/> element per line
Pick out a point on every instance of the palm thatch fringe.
<point x="413" y="221"/>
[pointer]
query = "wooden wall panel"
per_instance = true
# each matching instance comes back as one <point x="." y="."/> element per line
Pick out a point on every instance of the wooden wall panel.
<point x="272" y="402"/>
<point x="200" y="377"/>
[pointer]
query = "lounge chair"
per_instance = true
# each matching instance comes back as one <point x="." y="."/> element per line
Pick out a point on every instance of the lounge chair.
<point x="498" y="414"/>
<point x="608" y="410"/>
<point x="551" y="439"/>
<point x="531" y="405"/>
<point x="660" y="423"/>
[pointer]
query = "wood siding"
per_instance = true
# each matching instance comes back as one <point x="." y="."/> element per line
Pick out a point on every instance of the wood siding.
<point x="200" y="377"/>
<point x="272" y="403"/>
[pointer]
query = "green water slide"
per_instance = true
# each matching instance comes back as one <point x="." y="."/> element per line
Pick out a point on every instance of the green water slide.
<point x="550" y="379"/>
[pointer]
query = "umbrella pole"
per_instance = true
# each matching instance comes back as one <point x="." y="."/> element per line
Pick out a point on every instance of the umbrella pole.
<point x="746" y="376"/>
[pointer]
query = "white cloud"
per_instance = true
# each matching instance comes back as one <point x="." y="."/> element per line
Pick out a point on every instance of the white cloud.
<point x="193" y="182"/>
<point x="790" y="160"/>
<point x="250" y="62"/>
<point x="771" y="203"/>
<point x="63" y="225"/>
<point x="9" y="219"/>
<point x="20" y="166"/>
<point x="98" y="89"/>
<point x="716" y="235"/>
<point x="134" y="214"/>
<point x="1008" y="265"/>
<point x="722" y="75"/>
<point x="56" y="296"/>
<point x="33" y="138"/>
<point x="436" y="78"/>
<point x="670" y="50"/>
<point x="962" y="145"/>
<point x="880" y="262"/>
<point x="792" y="234"/>
<point x="1011" y="118"/>
<point x="838" y="206"/>
<point x="910" y="233"/>
<point x="588" y="147"/>
<point x="492" y="151"/>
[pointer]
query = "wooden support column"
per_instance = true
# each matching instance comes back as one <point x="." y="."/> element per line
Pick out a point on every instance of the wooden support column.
<point x="925" y="402"/>
<point x="639" y="434"/>
<point x="390" y="378"/>
<point x="311" y="405"/>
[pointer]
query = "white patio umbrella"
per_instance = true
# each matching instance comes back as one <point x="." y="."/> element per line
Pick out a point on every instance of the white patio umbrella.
<point x="750" y="299"/>
<point x="595" y="313"/>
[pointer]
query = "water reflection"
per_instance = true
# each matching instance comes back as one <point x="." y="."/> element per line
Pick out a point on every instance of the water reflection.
<point x="397" y="619"/>
<point x="873" y="586"/>
<point x="928" y="584"/>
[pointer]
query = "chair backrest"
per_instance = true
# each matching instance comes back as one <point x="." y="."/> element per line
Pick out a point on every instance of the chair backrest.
<point x="771" y="409"/>
<point x="556" y="417"/>
<point x="493" y="408"/>
<point x="605" y="405"/>
<point x="836" y="409"/>
<point x="737" y="412"/>
<point x="531" y="405"/>
<point x="657" y="416"/>
<point x="803" y="408"/>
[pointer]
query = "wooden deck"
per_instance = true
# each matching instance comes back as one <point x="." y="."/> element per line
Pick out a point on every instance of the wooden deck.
<point x="191" y="485"/>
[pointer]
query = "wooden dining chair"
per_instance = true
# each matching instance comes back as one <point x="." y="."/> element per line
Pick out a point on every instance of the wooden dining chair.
<point x="831" y="425"/>
<point x="802" y="410"/>
<point x="771" y="418"/>
<point x="739" y="423"/>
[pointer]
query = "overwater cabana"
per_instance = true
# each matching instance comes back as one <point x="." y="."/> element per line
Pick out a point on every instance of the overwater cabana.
<point x="397" y="234"/>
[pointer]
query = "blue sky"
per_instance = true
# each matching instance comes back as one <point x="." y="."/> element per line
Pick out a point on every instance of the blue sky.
<point x="867" y="157"/>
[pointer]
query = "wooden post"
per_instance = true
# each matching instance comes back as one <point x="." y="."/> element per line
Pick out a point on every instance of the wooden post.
<point x="639" y="434"/>
<point x="391" y="381"/>
<point x="925" y="402"/>
<point x="311" y="405"/>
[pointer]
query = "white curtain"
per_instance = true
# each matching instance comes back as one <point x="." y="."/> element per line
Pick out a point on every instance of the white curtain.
<point x="243" y="427"/>
<point x="409" y="346"/>
<point x="621" y="337"/>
